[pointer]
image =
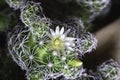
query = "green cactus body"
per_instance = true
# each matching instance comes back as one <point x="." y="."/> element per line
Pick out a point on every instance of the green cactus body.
<point x="109" y="70"/>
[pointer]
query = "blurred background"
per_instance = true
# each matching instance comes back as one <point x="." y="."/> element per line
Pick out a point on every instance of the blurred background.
<point x="106" y="28"/>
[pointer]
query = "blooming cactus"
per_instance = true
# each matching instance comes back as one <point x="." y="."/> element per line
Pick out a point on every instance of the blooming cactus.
<point x="53" y="57"/>
<point x="46" y="51"/>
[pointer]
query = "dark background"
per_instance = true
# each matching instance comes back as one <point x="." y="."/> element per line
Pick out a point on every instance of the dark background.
<point x="9" y="70"/>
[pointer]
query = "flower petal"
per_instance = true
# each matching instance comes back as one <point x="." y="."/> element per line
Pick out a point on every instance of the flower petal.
<point x="52" y="32"/>
<point x="69" y="39"/>
<point x="66" y="33"/>
<point x="67" y="44"/>
<point x="70" y="48"/>
<point x="57" y="30"/>
<point x="62" y="30"/>
<point x="63" y="37"/>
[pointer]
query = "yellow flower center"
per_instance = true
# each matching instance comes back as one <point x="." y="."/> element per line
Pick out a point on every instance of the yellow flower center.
<point x="57" y="43"/>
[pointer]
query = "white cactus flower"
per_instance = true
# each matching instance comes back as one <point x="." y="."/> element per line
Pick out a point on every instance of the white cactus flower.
<point x="60" y="41"/>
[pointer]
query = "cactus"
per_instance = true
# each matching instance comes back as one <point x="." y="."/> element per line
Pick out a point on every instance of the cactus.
<point x="90" y="8"/>
<point x="109" y="70"/>
<point x="16" y="4"/>
<point x="51" y="49"/>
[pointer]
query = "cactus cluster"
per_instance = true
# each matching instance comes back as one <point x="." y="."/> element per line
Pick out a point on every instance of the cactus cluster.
<point x="49" y="49"/>
<point x="90" y="8"/>
<point x="109" y="70"/>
